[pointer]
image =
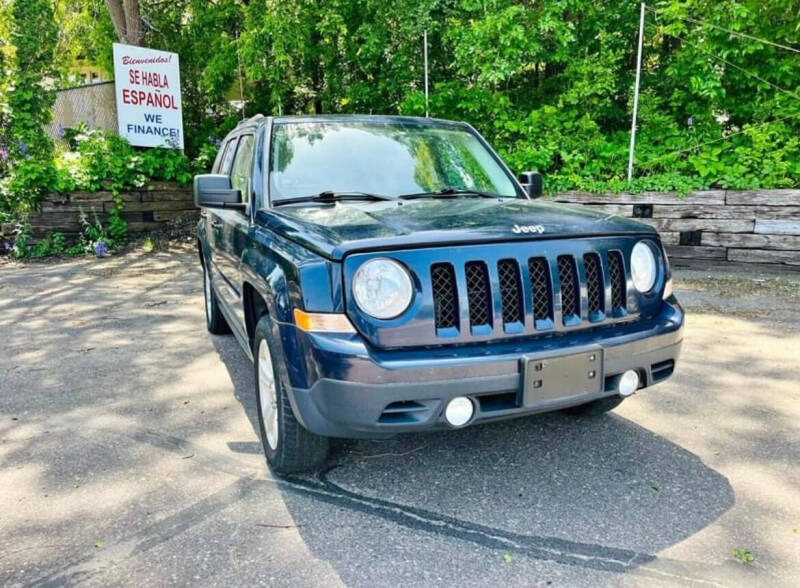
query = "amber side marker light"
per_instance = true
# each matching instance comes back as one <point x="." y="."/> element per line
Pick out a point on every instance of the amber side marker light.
<point x="320" y="321"/>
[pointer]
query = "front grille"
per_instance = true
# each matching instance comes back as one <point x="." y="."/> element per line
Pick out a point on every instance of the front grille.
<point x="479" y="295"/>
<point x="445" y="295"/>
<point x="570" y="292"/>
<point x="616" y="273"/>
<point x="510" y="290"/>
<point x="594" y="282"/>
<point x="528" y="295"/>
<point x="541" y="288"/>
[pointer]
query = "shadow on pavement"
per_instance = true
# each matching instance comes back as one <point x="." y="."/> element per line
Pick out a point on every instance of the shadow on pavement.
<point x="600" y="493"/>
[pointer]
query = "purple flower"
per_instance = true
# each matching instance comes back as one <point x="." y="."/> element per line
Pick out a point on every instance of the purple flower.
<point x="23" y="148"/>
<point x="3" y="153"/>
<point x="61" y="131"/>
<point x="100" y="249"/>
<point x="6" y="246"/>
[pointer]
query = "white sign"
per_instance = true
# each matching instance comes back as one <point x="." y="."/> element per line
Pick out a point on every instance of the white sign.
<point x="148" y="85"/>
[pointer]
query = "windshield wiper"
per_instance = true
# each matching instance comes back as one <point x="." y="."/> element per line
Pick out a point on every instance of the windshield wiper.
<point x="449" y="193"/>
<point x="332" y="196"/>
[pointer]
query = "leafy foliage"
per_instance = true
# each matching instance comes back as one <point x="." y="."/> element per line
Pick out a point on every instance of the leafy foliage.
<point x="25" y="98"/>
<point x="549" y="83"/>
<point x="94" y="159"/>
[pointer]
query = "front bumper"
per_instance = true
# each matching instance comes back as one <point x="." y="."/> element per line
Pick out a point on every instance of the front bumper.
<point x="360" y="392"/>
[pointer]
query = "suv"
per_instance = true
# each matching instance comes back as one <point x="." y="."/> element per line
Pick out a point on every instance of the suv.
<point x="390" y="274"/>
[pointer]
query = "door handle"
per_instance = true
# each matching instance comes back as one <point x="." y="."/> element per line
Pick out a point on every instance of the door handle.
<point x="216" y="224"/>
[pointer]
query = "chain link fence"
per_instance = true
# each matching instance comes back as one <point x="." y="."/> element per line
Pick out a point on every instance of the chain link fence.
<point x="94" y="105"/>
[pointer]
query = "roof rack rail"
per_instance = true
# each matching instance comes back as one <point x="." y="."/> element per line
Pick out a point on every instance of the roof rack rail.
<point x="252" y="119"/>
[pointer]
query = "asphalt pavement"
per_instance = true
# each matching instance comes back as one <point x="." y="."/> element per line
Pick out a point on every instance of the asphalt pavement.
<point x="129" y="455"/>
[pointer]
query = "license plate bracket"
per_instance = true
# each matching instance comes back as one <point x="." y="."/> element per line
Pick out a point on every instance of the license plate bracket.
<point x="554" y="376"/>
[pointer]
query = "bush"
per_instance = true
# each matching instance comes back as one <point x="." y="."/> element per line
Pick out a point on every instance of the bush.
<point x="89" y="160"/>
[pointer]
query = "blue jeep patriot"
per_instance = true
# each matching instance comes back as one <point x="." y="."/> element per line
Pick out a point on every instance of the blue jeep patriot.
<point x="390" y="274"/>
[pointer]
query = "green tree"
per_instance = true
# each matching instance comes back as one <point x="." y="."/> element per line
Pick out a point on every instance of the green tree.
<point x="27" y="98"/>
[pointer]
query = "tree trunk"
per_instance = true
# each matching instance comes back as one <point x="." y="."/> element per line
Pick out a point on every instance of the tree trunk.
<point x="118" y="18"/>
<point x="127" y="20"/>
<point x="133" y="22"/>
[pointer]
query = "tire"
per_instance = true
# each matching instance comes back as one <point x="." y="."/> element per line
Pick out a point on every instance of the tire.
<point x="288" y="446"/>
<point x="596" y="407"/>
<point x="215" y="321"/>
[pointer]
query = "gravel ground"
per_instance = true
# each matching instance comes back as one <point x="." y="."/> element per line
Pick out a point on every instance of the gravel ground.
<point x="129" y="455"/>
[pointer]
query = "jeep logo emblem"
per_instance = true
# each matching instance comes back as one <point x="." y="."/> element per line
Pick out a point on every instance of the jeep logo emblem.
<point x="538" y="229"/>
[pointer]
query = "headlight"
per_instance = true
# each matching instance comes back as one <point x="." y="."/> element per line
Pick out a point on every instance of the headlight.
<point x="382" y="288"/>
<point x="643" y="267"/>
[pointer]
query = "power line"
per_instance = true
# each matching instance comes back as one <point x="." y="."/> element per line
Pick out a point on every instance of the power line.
<point x="741" y="69"/>
<point x="730" y="32"/>
<point x="725" y="138"/>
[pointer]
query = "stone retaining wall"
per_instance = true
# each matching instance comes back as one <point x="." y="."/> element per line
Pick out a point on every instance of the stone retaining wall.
<point x="711" y="227"/>
<point x="144" y="210"/>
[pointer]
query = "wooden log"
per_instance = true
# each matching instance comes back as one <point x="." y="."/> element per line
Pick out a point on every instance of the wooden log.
<point x="745" y="240"/>
<point x="699" y="224"/>
<point x="764" y="256"/>
<point x="152" y="206"/>
<point x="142" y="227"/>
<point x="132" y="217"/>
<point x="159" y="185"/>
<point x="695" y="252"/>
<point x="781" y="227"/>
<point x="168" y="195"/>
<point x="710" y="264"/>
<point x="54" y="219"/>
<point x="768" y="197"/>
<point x="615" y="209"/>
<point x="670" y="238"/>
<point x="48" y="207"/>
<point x="725" y="212"/>
<point x="698" y="197"/>
<point x="85" y="196"/>
<point x="165" y="215"/>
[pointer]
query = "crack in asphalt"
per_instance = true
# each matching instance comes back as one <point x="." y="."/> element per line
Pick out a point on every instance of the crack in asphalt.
<point x="561" y="551"/>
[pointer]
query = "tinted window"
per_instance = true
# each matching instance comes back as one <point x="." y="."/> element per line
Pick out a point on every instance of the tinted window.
<point x="227" y="157"/>
<point x="385" y="158"/>
<point x="242" y="172"/>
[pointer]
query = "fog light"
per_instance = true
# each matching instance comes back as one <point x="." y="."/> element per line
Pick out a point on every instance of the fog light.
<point x="628" y="383"/>
<point x="458" y="411"/>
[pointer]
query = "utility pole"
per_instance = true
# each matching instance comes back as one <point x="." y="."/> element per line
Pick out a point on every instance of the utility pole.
<point x="425" y="53"/>
<point x="636" y="93"/>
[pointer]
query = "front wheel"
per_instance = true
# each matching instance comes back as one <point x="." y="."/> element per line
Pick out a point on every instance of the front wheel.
<point x="596" y="407"/>
<point x="289" y="447"/>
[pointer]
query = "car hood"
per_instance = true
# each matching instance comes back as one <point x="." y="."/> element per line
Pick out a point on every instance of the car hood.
<point x="334" y="230"/>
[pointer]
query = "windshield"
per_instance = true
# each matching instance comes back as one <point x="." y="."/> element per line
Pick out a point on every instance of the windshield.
<point x="383" y="158"/>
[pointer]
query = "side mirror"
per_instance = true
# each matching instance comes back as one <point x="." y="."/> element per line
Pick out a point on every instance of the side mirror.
<point x="532" y="182"/>
<point x="214" y="191"/>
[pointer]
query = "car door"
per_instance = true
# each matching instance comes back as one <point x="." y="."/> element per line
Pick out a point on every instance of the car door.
<point x="236" y="225"/>
<point x="214" y="223"/>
